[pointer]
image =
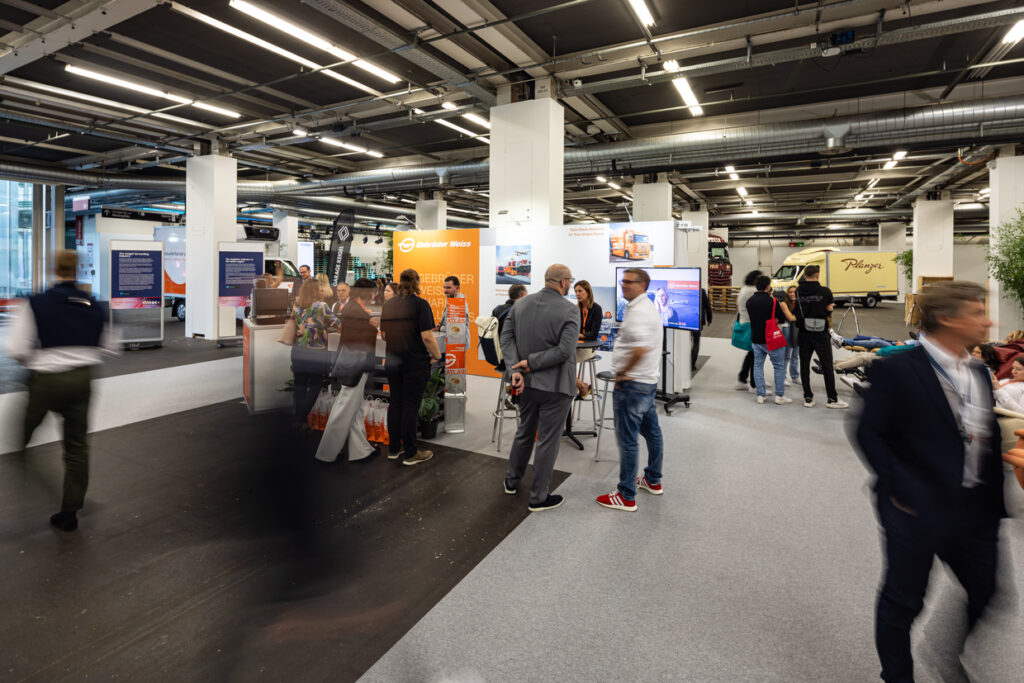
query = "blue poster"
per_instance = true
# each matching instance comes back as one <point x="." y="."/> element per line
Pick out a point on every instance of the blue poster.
<point x="136" y="278"/>
<point x="237" y="271"/>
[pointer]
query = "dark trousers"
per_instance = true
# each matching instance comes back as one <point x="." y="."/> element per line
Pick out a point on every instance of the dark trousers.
<point x="407" y="380"/>
<point x="67" y="394"/>
<point x="747" y="369"/>
<point x="968" y="547"/>
<point x="819" y="343"/>
<point x="694" y="350"/>
<point x="309" y="367"/>
<point x="541" y="422"/>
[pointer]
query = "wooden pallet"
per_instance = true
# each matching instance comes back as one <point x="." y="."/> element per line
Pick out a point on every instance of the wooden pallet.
<point x="723" y="299"/>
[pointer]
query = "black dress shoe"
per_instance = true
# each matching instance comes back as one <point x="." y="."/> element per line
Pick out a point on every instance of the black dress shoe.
<point x="65" y="521"/>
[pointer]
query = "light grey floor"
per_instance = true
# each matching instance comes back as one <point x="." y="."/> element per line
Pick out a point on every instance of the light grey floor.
<point x="760" y="563"/>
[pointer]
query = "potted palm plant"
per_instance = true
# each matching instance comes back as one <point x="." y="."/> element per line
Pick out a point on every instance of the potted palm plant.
<point x="430" y="405"/>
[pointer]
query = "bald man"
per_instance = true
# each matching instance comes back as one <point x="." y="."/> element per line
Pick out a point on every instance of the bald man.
<point x="538" y="343"/>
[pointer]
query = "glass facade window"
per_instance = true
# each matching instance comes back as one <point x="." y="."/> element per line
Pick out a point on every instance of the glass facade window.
<point x="15" y="241"/>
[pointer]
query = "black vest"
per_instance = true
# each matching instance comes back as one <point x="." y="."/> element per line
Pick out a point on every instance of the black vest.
<point x="67" y="316"/>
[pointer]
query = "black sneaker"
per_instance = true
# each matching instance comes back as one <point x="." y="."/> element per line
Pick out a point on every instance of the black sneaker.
<point x="510" y="490"/>
<point x="65" y="521"/>
<point x="550" y="503"/>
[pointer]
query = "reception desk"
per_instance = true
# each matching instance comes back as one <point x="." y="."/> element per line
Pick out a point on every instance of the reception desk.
<point x="266" y="368"/>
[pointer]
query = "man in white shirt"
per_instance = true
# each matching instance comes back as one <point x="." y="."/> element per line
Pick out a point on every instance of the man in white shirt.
<point x="635" y="364"/>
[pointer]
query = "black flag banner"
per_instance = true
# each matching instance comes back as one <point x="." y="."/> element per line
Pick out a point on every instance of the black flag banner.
<point x="341" y="245"/>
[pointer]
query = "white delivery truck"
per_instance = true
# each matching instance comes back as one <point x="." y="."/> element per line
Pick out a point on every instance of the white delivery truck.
<point x="174" y="268"/>
<point x="867" y="276"/>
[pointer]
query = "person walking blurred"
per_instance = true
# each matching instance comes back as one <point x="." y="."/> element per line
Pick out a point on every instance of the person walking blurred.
<point x="407" y="325"/>
<point x="310" y="358"/>
<point x="746" y="376"/>
<point x="59" y="336"/>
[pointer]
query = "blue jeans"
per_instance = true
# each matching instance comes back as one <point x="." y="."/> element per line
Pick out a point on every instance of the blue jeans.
<point x="792" y="334"/>
<point x="636" y="413"/>
<point x="867" y="342"/>
<point x="778" y="357"/>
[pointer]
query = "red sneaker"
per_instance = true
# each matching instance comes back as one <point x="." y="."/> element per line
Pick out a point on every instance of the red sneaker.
<point x="642" y="483"/>
<point x="615" y="501"/>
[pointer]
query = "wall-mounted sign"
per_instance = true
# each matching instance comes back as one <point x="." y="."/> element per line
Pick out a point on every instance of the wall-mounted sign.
<point x="80" y="203"/>
<point x="140" y="215"/>
<point x="796" y="244"/>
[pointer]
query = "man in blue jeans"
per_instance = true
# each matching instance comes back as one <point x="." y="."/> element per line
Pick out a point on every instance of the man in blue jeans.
<point x="635" y="364"/>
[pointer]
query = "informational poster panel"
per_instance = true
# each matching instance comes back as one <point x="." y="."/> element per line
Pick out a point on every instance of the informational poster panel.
<point x="238" y="264"/>
<point x="136" y="291"/>
<point x="456" y="341"/>
<point x="306" y="254"/>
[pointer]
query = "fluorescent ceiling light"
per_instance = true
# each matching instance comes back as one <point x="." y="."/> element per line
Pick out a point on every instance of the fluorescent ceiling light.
<point x="350" y="146"/>
<point x="874" y="181"/>
<point x="464" y="131"/>
<point x="985" y="190"/>
<point x="305" y="36"/>
<point x="755" y="212"/>
<point x="615" y="186"/>
<point x="671" y="65"/>
<point x="478" y="120"/>
<point x="900" y="156"/>
<point x="730" y="169"/>
<point x="742" y="190"/>
<point x="859" y="197"/>
<point x="300" y="132"/>
<point x="145" y="89"/>
<point x="750" y="202"/>
<point x="1014" y="35"/>
<point x="250" y="38"/>
<point x="449" y="105"/>
<point x="889" y="165"/>
<point x="734" y="176"/>
<point x="686" y="92"/>
<point x="642" y="13"/>
<point x="602" y="179"/>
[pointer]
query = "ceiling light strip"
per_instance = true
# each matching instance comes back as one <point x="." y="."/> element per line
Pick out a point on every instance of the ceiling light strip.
<point x="147" y="90"/>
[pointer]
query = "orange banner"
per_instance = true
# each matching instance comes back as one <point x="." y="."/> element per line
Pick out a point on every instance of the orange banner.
<point x="436" y="254"/>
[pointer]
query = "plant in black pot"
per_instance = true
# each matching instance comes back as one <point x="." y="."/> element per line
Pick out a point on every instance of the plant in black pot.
<point x="430" y="406"/>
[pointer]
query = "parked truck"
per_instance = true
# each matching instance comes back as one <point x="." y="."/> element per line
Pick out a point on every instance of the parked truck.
<point x="629" y="244"/>
<point x="719" y="267"/>
<point x="865" y="276"/>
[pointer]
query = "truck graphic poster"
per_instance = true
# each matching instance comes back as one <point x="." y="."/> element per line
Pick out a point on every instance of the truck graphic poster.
<point x="512" y="265"/>
<point x="625" y="243"/>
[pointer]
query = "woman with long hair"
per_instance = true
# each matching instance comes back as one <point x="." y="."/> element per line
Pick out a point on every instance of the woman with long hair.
<point x="407" y="325"/>
<point x="326" y="291"/>
<point x="310" y="357"/>
<point x="746" y="376"/>
<point x="590" y="318"/>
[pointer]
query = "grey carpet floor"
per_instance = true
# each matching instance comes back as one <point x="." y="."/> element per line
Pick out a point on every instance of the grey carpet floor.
<point x="760" y="563"/>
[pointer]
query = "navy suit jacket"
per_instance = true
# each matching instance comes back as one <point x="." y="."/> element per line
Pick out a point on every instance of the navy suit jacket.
<point x="911" y="440"/>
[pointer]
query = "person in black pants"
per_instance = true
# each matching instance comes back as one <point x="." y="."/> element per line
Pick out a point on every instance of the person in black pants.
<point x="407" y="325"/>
<point x="928" y="431"/>
<point x="706" y="315"/>
<point x="813" y="305"/>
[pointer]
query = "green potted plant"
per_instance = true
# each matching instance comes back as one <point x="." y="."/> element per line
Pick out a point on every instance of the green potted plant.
<point x="430" y="405"/>
<point x="905" y="260"/>
<point x="1006" y="258"/>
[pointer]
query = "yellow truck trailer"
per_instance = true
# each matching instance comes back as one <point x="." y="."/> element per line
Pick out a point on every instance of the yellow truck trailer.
<point x="867" y="276"/>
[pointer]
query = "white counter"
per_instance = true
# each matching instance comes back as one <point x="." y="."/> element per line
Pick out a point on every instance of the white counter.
<point x="266" y="368"/>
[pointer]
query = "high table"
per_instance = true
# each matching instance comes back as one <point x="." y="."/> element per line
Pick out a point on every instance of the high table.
<point x="569" y="433"/>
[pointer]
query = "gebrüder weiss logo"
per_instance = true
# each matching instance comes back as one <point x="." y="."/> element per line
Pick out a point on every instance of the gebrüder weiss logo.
<point x="406" y="245"/>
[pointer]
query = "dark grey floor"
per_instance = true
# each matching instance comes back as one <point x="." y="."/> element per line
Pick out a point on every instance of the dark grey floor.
<point x="213" y="547"/>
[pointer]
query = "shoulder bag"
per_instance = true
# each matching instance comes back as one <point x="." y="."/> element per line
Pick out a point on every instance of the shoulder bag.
<point x="741" y="334"/>
<point x="811" y="324"/>
<point x="773" y="337"/>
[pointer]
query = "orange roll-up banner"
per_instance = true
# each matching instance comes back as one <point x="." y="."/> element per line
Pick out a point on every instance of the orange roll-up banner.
<point x="436" y="254"/>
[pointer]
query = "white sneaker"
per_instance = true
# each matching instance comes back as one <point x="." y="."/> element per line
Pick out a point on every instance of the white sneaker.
<point x="838" y="405"/>
<point x="837" y="341"/>
<point x="808" y="403"/>
<point x="782" y="400"/>
<point x="788" y="382"/>
<point x="740" y="386"/>
<point x="761" y="400"/>
<point x="751" y="389"/>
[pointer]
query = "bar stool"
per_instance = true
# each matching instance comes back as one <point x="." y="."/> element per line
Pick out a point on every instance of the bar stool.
<point x="588" y="368"/>
<point x="608" y="379"/>
<point x="501" y="413"/>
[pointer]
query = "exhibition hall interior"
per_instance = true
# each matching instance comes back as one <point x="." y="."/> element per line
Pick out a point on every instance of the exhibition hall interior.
<point x="291" y="291"/>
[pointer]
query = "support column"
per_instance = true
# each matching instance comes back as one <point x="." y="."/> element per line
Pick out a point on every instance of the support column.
<point x="287" y="224"/>
<point x="40" y="276"/>
<point x="652" y="202"/>
<point x="211" y="197"/>
<point x="432" y="214"/>
<point x="1006" y="180"/>
<point x="893" y="237"/>
<point x="933" y="239"/>
<point x="527" y="176"/>
<point x="691" y="250"/>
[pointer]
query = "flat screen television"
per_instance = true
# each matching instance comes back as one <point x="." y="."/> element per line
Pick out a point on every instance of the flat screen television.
<point x="675" y="293"/>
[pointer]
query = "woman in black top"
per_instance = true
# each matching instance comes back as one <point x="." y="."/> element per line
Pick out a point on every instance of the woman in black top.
<point x="353" y="364"/>
<point x="590" y="318"/>
<point x="407" y="325"/>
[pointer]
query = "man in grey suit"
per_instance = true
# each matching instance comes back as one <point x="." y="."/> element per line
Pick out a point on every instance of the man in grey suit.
<point x="538" y="343"/>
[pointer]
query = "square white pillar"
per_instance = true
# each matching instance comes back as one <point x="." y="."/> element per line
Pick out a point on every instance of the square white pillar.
<point x="893" y="237"/>
<point x="652" y="202"/>
<point x="211" y="198"/>
<point x="1006" y="182"/>
<point x="287" y="224"/>
<point x="431" y="214"/>
<point x="933" y="239"/>
<point x="527" y="175"/>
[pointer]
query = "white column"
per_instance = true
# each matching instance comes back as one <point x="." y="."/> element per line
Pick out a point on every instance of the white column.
<point x="893" y="237"/>
<point x="432" y="214"/>
<point x="527" y="176"/>
<point x="697" y="242"/>
<point x="211" y="197"/>
<point x="287" y="224"/>
<point x="652" y="202"/>
<point x="933" y="239"/>
<point x="1006" y="181"/>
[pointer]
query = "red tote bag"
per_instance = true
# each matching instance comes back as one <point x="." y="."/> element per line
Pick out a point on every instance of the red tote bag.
<point x="773" y="337"/>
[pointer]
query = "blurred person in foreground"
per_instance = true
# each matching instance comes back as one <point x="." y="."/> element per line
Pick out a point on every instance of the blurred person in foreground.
<point x="310" y="357"/>
<point x="929" y="434"/>
<point x="59" y="336"/>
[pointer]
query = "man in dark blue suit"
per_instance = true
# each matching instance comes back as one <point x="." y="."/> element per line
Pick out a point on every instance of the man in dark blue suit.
<point x="929" y="433"/>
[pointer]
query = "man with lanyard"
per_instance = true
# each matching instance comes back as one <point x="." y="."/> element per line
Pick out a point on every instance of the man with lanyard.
<point x="635" y="364"/>
<point x="928" y="432"/>
<point x="59" y="336"/>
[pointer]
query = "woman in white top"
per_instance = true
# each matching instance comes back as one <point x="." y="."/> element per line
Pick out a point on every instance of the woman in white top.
<point x="1010" y="392"/>
<point x="746" y="375"/>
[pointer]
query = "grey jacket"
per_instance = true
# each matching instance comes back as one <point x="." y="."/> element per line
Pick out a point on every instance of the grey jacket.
<point x="542" y="329"/>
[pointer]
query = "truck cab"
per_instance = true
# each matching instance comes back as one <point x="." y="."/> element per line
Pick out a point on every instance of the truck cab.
<point x="719" y="266"/>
